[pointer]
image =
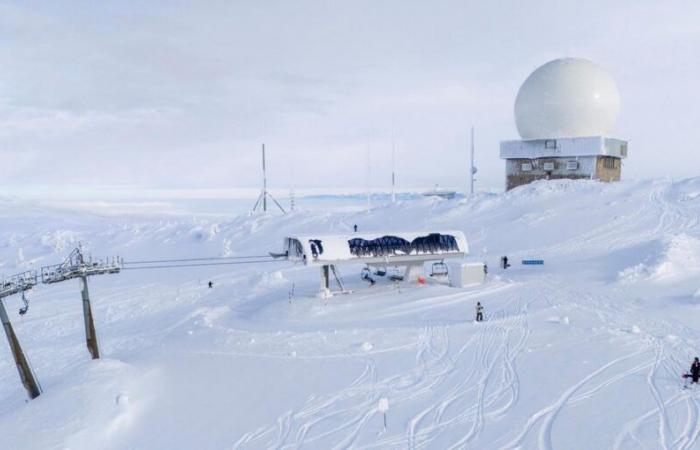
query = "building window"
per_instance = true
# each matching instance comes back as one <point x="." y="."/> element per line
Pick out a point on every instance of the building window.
<point x="623" y="150"/>
<point x="526" y="167"/>
<point x="548" y="166"/>
<point x="572" y="165"/>
<point x="609" y="163"/>
<point x="550" y="144"/>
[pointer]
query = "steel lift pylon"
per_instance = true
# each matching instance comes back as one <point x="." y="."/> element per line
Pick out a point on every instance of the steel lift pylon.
<point x="18" y="284"/>
<point x="77" y="266"/>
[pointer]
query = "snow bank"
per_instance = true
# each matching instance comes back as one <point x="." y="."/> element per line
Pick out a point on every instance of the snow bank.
<point x="679" y="259"/>
<point x="240" y="366"/>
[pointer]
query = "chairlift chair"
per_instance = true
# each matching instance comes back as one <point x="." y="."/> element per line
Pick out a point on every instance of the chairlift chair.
<point x="396" y="275"/>
<point x="366" y="275"/>
<point x="439" y="269"/>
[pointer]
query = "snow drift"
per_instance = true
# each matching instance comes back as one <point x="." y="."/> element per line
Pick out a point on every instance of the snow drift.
<point x="583" y="352"/>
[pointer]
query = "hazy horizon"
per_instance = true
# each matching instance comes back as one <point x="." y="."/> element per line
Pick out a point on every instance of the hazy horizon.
<point x="182" y="94"/>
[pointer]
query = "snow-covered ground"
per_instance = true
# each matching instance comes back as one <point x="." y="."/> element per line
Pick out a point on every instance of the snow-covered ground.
<point x="585" y="352"/>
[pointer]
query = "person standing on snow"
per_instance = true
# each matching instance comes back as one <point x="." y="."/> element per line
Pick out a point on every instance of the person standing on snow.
<point x="480" y="313"/>
<point x="695" y="371"/>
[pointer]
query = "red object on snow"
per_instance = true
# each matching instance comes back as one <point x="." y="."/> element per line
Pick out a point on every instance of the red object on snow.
<point x="421" y="280"/>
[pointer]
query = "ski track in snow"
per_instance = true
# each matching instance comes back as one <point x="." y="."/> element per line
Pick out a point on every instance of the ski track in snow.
<point x="659" y="355"/>
<point x="457" y="382"/>
<point x="492" y="350"/>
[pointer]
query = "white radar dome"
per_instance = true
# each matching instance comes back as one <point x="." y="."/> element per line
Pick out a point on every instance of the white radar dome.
<point x="567" y="97"/>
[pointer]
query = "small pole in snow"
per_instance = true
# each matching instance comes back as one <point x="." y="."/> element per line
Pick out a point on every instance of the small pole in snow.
<point x="383" y="407"/>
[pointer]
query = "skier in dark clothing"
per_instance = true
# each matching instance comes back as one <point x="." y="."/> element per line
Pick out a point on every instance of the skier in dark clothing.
<point x="695" y="370"/>
<point x="211" y="285"/>
<point x="479" y="312"/>
<point x="355" y="228"/>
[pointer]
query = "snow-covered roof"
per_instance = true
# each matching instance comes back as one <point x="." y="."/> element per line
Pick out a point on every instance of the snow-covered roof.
<point x="564" y="147"/>
<point x="378" y="246"/>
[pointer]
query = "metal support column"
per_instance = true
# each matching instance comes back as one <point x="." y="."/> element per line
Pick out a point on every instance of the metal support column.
<point x="325" y="277"/>
<point x="325" y="281"/>
<point x="412" y="272"/>
<point x="25" y="372"/>
<point x="90" y="335"/>
<point x="338" y="279"/>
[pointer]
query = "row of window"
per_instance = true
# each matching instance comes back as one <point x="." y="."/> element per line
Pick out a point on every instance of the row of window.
<point x="549" y="166"/>
<point x="608" y="163"/>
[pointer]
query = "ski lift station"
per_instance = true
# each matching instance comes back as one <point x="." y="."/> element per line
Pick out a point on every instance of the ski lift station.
<point x="565" y="112"/>
<point x="378" y="250"/>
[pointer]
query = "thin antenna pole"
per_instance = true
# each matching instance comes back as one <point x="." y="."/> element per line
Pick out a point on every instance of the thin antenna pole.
<point x="472" y="169"/>
<point x="264" y="194"/>
<point x="393" y="165"/>
<point x="367" y="175"/>
<point x="292" y="194"/>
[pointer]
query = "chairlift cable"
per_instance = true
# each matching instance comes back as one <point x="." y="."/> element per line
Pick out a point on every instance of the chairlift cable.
<point x="211" y="258"/>
<point x="172" y="266"/>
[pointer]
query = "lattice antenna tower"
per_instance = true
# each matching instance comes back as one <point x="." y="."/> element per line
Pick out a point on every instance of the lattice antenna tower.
<point x="264" y="194"/>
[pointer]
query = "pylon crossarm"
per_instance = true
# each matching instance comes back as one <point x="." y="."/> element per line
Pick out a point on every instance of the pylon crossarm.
<point x="77" y="266"/>
<point x="18" y="283"/>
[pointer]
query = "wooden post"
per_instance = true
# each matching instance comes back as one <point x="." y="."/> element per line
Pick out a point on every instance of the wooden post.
<point x="90" y="335"/>
<point x="25" y="372"/>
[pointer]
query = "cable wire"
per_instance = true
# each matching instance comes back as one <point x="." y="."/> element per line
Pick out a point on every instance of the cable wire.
<point x="172" y="266"/>
<point x="211" y="258"/>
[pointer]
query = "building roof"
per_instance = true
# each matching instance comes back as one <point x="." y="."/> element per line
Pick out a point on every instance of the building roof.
<point x="382" y="246"/>
<point x="564" y="148"/>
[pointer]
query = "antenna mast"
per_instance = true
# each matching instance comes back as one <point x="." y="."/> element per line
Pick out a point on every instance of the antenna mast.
<point x="367" y="175"/>
<point x="472" y="168"/>
<point x="393" y="166"/>
<point x="263" y="193"/>
<point x="265" y="180"/>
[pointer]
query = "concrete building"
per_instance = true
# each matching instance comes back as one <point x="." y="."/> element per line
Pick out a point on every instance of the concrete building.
<point x="565" y="112"/>
<point x="596" y="157"/>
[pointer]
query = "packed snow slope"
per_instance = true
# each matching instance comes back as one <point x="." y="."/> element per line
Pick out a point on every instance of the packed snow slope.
<point x="585" y="352"/>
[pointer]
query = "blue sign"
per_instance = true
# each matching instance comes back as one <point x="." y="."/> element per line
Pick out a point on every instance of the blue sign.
<point x="533" y="262"/>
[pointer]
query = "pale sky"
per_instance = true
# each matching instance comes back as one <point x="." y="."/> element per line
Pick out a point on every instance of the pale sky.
<point x="181" y="94"/>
